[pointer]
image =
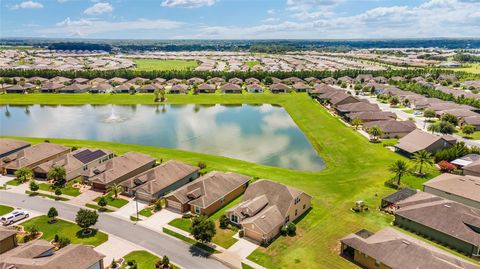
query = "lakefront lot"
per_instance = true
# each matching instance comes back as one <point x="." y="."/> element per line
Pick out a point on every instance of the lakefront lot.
<point x="355" y="170"/>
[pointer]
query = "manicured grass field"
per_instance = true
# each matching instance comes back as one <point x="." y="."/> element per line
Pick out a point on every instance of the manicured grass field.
<point x="356" y="170"/>
<point x="146" y="212"/>
<point x="469" y="68"/>
<point x="474" y="136"/>
<point x="66" y="229"/>
<point x="67" y="190"/>
<point x="53" y="197"/>
<point x="252" y="63"/>
<point x="115" y="202"/>
<point x="163" y="65"/>
<point x="181" y="223"/>
<point x="190" y="241"/>
<point x="144" y="259"/>
<point x="14" y="182"/>
<point x="5" y="209"/>
<point x="96" y="207"/>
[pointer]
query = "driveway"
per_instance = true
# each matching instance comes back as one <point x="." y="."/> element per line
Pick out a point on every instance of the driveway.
<point x="159" y="244"/>
<point x="115" y="248"/>
<point x="160" y="219"/>
<point x="243" y="248"/>
<point x="86" y="197"/>
<point x="130" y="209"/>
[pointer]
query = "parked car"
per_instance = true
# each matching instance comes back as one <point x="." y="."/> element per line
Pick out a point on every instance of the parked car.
<point x="14" y="217"/>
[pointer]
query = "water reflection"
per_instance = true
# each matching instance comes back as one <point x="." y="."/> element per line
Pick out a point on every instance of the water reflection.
<point x="262" y="133"/>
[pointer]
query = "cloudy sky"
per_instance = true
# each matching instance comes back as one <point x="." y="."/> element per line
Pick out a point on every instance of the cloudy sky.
<point x="240" y="19"/>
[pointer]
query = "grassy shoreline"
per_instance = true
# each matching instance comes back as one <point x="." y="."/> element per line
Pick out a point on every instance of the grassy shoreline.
<point x="356" y="170"/>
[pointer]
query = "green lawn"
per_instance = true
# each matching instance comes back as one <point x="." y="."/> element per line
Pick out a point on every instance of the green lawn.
<point x="181" y="223"/>
<point x="53" y="197"/>
<point x="115" y="202"/>
<point x="163" y="65"/>
<point x="14" y="182"/>
<point x="146" y="212"/>
<point x="143" y="258"/>
<point x="475" y="136"/>
<point x="67" y="190"/>
<point x="5" y="209"/>
<point x="66" y="229"/>
<point x="252" y="63"/>
<point x="96" y="207"/>
<point x="190" y="241"/>
<point x="469" y="68"/>
<point x="356" y="170"/>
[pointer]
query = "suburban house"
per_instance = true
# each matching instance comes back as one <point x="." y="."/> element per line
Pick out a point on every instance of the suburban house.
<point x="300" y="87"/>
<point x="342" y="98"/>
<point x="208" y="193"/>
<point x="97" y="81"/>
<point x="319" y="89"/>
<point x="369" y="116"/>
<point x="149" y="88"/>
<point x="16" y="89"/>
<point x="462" y="189"/>
<point x="356" y="107"/>
<point x="215" y="80"/>
<point x="254" y="88"/>
<point x="179" y="88"/>
<point x="266" y="207"/>
<point x="279" y="88"/>
<point x="389" y="203"/>
<point x="230" y="88"/>
<point x="101" y="88"/>
<point x="392" y="128"/>
<point x="364" y="78"/>
<point x="252" y="81"/>
<point x="419" y="140"/>
<point x="466" y="160"/>
<point x="472" y="169"/>
<point x="206" y="88"/>
<point x="74" y="88"/>
<point x="61" y="80"/>
<point x="31" y="157"/>
<point x="195" y="80"/>
<point x="160" y="180"/>
<point x="392" y="249"/>
<point x="448" y="222"/>
<point x="9" y="146"/>
<point x="117" y="81"/>
<point x="118" y="169"/>
<point x="51" y="87"/>
<point x="327" y="80"/>
<point x="74" y="163"/>
<point x="472" y="120"/>
<point x="345" y="79"/>
<point x="237" y="81"/>
<point x="41" y="254"/>
<point x="8" y="239"/>
<point x="293" y="80"/>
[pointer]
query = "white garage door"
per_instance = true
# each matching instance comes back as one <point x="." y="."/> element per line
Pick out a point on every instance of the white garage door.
<point x="174" y="205"/>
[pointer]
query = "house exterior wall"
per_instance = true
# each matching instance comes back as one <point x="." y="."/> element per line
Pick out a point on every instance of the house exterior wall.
<point x="453" y="197"/>
<point x="367" y="261"/>
<point x="428" y="232"/>
<point x="142" y="195"/>
<point x="8" y="244"/>
<point x="219" y="203"/>
<point x="11" y="171"/>
<point x="126" y="176"/>
<point x="471" y="173"/>
<point x="97" y="265"/>
<point x="440" y="144"/>
<point x="301" y="207"/>
<point x="172" y="201"/>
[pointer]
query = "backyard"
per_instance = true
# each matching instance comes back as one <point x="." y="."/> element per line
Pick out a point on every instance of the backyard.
<point x="163" y="65"/>
<point x="356" y="170"/>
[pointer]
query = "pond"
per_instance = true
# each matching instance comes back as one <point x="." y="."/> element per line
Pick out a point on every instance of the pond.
<point x="262" y="134"/>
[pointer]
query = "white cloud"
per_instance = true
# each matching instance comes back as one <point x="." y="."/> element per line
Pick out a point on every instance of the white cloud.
<point x="188" y="3"/>
<point x="99" y="8"/>
<point x="27" y="5"/>
<point x="86" y="27"/>
<point x="270" y="20"/>
<point x="271" y="11"/>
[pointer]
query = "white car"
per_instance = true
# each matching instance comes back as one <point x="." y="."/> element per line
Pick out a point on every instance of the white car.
<point x="14" y="217"/>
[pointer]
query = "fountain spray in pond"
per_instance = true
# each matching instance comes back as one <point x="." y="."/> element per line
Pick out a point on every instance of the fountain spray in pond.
<point x="113" y="118"/>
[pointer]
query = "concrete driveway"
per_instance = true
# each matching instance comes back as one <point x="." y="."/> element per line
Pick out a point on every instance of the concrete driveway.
<point x="160" y="219"/>
<point x="130" y="209"/>
<point x="116" y="248"/>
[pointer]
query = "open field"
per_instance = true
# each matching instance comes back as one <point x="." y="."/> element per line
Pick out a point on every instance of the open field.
<point x="473" y="68"/>
<point x="356" y="170"/>
<point x="5" y="209"/>
<point x="163" y="65"/>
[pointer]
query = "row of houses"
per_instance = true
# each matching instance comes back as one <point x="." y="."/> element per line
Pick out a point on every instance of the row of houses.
<point x="447" y="211"/>
<point x="42" y="254"/>
<point x="264" y="209"/>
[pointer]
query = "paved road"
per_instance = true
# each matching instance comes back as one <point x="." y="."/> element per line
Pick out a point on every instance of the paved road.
<point x="178" y="252"/>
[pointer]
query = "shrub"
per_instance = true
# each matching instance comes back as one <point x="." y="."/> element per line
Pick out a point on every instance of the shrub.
<point x="446" y="166"/>
<point x="158" y="205"/>
<point x="241" y="233"/>
<point x="63" y="242"/>
<point x="291" y="229"/>
<point x="202" y="165"/>
<point x="224" y="222"/>
<point x="283" y="231"/>
<point x="55" y="238"/>
<point x="113" y="264"/>
<point x="58" y="192"/>
<point x="33" y="186"/>
<point x="131" y="262"/>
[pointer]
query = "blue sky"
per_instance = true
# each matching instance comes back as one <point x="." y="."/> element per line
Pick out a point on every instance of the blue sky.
<point x="240" y="19"/>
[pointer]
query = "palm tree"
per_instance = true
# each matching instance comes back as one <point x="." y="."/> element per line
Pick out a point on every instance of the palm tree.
<point x="400" y="168"/>
<point x="356" y="122"/>
<point x="423" y="157"/>
<point x="24" y="174"/>
<point x="115" y="188"/>
<point x="58" y="174"/>
<point x="434" y="128"/>
<point x="375" y="132"/>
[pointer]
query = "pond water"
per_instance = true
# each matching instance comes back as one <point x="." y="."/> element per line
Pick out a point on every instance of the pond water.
<point x="262" y="134"/>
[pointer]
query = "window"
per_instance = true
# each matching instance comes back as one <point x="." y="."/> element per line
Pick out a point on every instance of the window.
<point x="287" y="219"/>
<point x="197" y="210"/>
<point x="297" y="200"/>
<point x="234" y="218"/>
<point x="85" y="168"/>
<point x="296" y="212"/>
<point x="304" y="206"/>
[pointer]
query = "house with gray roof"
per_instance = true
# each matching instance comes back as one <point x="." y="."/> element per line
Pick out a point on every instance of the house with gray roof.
<point x="266" y="207"/>
<point x="206" y="88"/>
<point x="472" y="169"/>
<point x="230" y="88"/>
<point x="458" y="188"/>
<point x="279" y="88"/>
<point x="179" y="89"/>
<point x="389" y="248"/>
<point x="208" y="193"/>
<point x="392" y="128"/>
<point x="254" y="88"/>
<point x="419" y="140"/>
<point x="9" y="146"/>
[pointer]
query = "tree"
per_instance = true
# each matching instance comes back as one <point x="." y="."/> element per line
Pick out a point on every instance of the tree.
<point x="52" y="214"/>
<point x="156" y="93"/>
<point x="446" y="127"/>
<point x="23" y="174"/>
<point x="434" y="128"/>
<point x="428" y="113"/>
<point x="375" y="132"/>
<point x="162" y="94"/>
<point x="58" y="174"/>
<point x="165" y="261"/>
<point x="423" y="157"/>
<point x="394" y="100"/>
<point x="291" y="229"/>
<point x="356" y="122"/>
<point x="203" y="229"/>
<point x="468" y="129"/>
<point x="33" y="186"/>
<point x="449" y="118"/>
<point x="102" y="202"/>
<point x="115" y="189"/>
<point x="224" y="221"/>
<point x="400" y="168"/>
<point x="58" y="192"/>
<point x="86" y="218"/>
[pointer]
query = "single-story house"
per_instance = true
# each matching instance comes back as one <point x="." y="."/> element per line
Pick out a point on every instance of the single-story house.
<point x="293" y="80"/>
<point x="61" y="80"/>
<point x="342" y="98"/>
<point x="80" y="80"/>
<point x="31" y="157"/>
<point x="160" y="180"/>
<point x="9" y="146"/>
<point x="179" y="89"/>
<point x="195" y="80"/>
<point x="252" y="81"/>
<point x="319" y="89"/>
<point x="126" y="88"/>
<point x="312" y="80"/>
<point x="174" y="81"/>
<point x="392" y="128"/>
<point x="137" y="81"/>
<point x="364" y="78"/>
<point x="159" y="80"/>
<point x="101" y="88"/>
<point x="450" y="223"/>
<point x="266" y="207"/>
<point x="215" y="80"/>
<point x="41" y="254"/>
<point x="419" y="140"/>
<point x="300" y="87"/>
<point x="208" y="193"/>
<point x="75" y="162"/>
<point x="472" y="120"/>
<point x="117" y="80"/>
<point x="237" y="81"/>
<point x="390" y="202"/>
<point x="466" y="160"/>
<point x="118" y="169"/>
<point x="8" y="239"/>
<point x="16" y="89"/>
<point x="458" y="188"/>
<point x="459" y="113"/>
<point x="279" y="88"/>
<point x="369" y="116"/>
<point x="74" y="88"/>
<point x="149" y="88"/>
<point x="206" y="88"/>
<point x="472" y="169"/>
<point x="254" y="88"/>
<point x="230" y="88"/>
<point x="390" y="248"/>
<point x="97" y="81"/>
<point x="356" y="107"/>
<point x="328" y="80"/>
<point x="345" y="79"/>
<point x="51" y="87"/>
<point x="36" y="80"/>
